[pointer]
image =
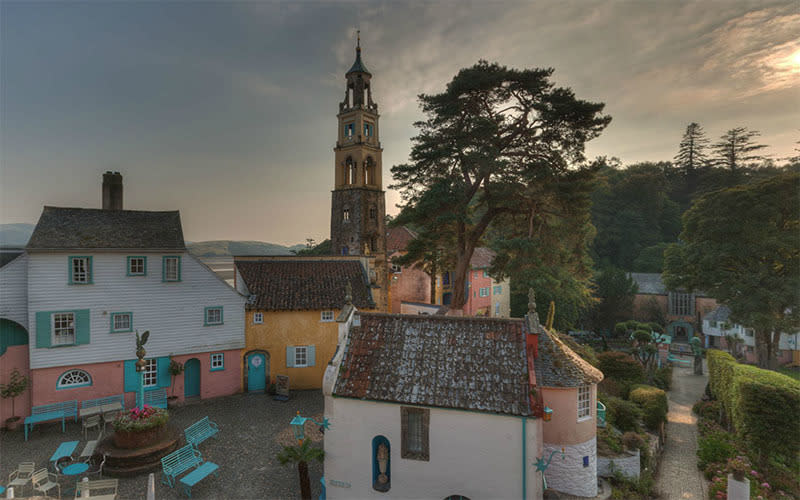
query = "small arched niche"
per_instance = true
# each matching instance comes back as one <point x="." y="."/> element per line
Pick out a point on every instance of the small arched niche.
<point x="381" y="464"/>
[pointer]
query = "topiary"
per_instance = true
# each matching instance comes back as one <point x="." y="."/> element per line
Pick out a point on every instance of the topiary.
<point x="624" y="415"/>
<point x="620" y="366"/>
<point x="653" y="402"/>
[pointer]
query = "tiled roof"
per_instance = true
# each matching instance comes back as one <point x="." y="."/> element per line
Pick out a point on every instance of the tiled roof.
<point x="95" y="229"/>
<point x="721" y="313"/>
<point x="482" y="258"/>
<point x="292" y="285"/>
<point x="559" y="366"/>
<point x="649" y="283"/>
<point x="449" y="362"/>
<point x="398" y="238"/>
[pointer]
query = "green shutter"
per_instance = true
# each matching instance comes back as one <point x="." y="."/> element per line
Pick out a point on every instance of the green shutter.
<point x="42" y="329"/>
<point x="289" y="357"/>
<point x="82" y="326"/>
<point x="310" y="355"/>
<point x="131" y="382"/>
<point x="162" y="369"/>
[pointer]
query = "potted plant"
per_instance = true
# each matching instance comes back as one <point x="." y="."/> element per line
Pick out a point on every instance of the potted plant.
<point x="16" y="385"/>
<point x="140" y="427"/>
<point x="175" y="369"/>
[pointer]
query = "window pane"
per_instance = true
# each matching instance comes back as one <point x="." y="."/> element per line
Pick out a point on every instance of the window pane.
<point x="414" y="431"/>
<point x="150" y="373"/>
<point x="300" y="356"/>
<point x="63" y="328"/>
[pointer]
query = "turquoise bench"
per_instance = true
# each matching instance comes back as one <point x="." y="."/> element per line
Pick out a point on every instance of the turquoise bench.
<point x="198" y="475"/>
<point x="182" y="460"/>
<point x="156" y="398"/>
<point x="200" y="431"/>
<point x="673" y="359"/>
<point x="93" y="403"/>
<point x="54" y="411"/>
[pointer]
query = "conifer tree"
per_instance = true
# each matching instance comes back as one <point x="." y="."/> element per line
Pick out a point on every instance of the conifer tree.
<point x="736" y="148"/>
<point x="692" y="150"/>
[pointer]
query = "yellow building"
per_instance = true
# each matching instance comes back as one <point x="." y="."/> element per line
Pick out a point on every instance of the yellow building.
<point x="290" y="326"/>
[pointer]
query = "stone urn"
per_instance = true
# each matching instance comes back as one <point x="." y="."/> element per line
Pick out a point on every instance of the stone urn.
<point x="140" y="438"/>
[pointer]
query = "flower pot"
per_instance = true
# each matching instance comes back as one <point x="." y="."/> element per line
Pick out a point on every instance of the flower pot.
<point x="12" y="424"/>
<point x="139" y="439"/>
<point x="172" y="401"/>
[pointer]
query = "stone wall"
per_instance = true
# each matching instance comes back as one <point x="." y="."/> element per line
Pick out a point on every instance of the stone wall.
<point x="628" y="464"/>
<point x="567" y="473"/>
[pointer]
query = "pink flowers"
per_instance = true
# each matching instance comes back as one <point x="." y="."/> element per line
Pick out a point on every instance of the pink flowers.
<point x="765" y="485"/>
<point x="141" y="413"/>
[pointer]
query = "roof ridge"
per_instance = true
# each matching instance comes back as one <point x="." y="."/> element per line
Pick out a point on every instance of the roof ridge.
<point x="442" y="317"/>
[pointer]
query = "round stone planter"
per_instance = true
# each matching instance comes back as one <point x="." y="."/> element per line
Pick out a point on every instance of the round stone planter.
<point x="139" y="439"/>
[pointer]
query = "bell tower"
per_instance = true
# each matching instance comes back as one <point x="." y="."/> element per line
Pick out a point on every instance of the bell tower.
<point x="358" y="201"/>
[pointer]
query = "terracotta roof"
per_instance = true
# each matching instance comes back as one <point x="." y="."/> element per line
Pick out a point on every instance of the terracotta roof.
<point x="559" y="366"/>
<point x="292" y="285"/>
<point x="95" y="229"/>
<point x="482" y="258"/>
<point x="449" y="362"/>
<point x="398" y="238"/>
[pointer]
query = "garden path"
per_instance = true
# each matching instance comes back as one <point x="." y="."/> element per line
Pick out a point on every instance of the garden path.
<point x="678" y="476"/>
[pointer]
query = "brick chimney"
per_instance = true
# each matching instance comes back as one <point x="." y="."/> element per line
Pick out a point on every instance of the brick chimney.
<point x="112" y="191"/>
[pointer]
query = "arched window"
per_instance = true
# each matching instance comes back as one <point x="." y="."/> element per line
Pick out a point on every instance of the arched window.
<point x="381" y="464"/>
<point x="349" y="171"/>
<point x="74" y="378"/>
<point x="353" y="172"/>
<point x="369" y="171"/>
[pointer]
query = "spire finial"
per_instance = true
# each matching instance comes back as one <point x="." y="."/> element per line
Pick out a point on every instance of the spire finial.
<point x="358" y="40"/>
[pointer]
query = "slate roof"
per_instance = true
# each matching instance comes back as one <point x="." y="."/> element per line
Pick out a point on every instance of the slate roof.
<point x="7" y="256"/>
<point x="721" y="313"/>
<point x="482" y="258"/>
<point x="649" y="283"/>
<point x="95" y="229"/>
<point x="559" y="366"/>
<point x="358" y="65"/>
<point x="294" y="285"/>
<point x="449" y="362"/>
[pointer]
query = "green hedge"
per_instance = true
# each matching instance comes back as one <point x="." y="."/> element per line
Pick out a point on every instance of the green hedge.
<point x="620" y="366"/>
<point x="624" y="415"/>
<point x="653" y="402"/>
<point x="762" y="404"/>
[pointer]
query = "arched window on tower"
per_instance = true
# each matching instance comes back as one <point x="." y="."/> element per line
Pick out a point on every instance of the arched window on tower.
<point x="349" y="170"/>
<point x="373" y="243"/>
<point x="353" y="172"/>
<point x="369" y="171"/>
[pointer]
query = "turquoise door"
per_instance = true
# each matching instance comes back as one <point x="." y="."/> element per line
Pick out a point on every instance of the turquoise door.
<point x="256" y="372"/>
<point x="191" y="378"/>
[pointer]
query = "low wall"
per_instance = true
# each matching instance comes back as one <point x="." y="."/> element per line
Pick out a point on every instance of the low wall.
<point x="627" y="464"/>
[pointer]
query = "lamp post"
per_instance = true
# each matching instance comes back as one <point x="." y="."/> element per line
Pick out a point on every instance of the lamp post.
<point x="298" y="424"/>
<point x="141" y="364"/>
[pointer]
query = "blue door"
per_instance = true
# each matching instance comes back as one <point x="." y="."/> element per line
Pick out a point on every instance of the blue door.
<point x="191" y="378"/>
<point x="256" y="372"/>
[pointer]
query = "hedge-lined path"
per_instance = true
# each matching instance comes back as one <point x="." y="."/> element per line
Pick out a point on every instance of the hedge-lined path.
<point x="678" y="476"/>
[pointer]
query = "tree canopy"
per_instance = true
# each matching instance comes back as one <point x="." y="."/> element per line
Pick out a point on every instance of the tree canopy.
<point x="741" y="245"/>
<point x="489" y="146"/>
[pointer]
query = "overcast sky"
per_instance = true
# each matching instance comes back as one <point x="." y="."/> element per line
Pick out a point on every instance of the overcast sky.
<point x="227" y="111"/>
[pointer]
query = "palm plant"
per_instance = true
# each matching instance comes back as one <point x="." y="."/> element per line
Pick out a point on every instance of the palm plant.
<point x="301" y="455"/>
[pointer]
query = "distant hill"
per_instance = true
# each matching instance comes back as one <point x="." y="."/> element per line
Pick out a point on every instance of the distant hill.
<point x="15" y="235"/>
<point x="226" y="248"/>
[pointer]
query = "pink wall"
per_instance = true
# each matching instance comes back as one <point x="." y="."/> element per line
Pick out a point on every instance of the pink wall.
<point x="410" y="285"/>
<point x="475" y="302"/>
<point x="16" y="356"/>
<point x="108" y="380"/>
<point x="564" y="427"/>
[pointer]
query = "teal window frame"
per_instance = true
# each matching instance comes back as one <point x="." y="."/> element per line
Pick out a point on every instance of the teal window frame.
<point x="144" y="265"/>
<point x="485" y="273"/>
<point x="368" y="129"/>
<point x="484" y="291"/>
<point x="211" y="361"/>
<point x="349" y="130"/>
<point x="115" y="314"/>
<point x="164" y="268"/>
<point x="221" y="316"/>
<point x="497" y="290"/>
<point x="59" y="387"/>
<point x="89" y="270"/>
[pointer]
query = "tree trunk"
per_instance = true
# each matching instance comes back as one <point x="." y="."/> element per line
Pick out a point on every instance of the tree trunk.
<point x="434" y="270"/>
<point x="460" y="282"/>
<point x="305" y="481"/>
<point x="764" y="351"/>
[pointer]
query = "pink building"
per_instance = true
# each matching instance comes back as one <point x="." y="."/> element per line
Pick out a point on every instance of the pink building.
<point x="406" y="283"/>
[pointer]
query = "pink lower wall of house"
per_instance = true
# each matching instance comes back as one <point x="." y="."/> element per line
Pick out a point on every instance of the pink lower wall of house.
<point x="410" y="285"/>
<point x="108" y="380"/>
<point x="564" y="427"/>
<point x="475" y="303"/>
<point x="15" y="357"/>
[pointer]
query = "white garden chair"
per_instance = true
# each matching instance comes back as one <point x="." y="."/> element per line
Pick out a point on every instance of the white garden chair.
<point x="22" y="476"/>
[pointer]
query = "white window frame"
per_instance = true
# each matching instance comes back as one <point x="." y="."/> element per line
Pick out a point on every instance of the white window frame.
<point x="258" y="318"/>
<point x="61" y="324"/>
<point x="177" y="269"/>
<point x="327" y="316"/>
<point x="79" y="379"/>
<point x="217" y="361"/>
<point x="298" y="350"/>
<point x="584" y="402"/>
<point x="137" y="261"/>
<point x="84" y="276"/>
<point x="150" y="377"/>
<point x="209" y="311"/>
<point x="126" y="328"/>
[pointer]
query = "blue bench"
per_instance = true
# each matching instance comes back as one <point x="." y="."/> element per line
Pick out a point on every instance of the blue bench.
<point x="200" y="431"/>
<point x="156" y="398"/>
<point x="54" y="411"/>
<point x="178" y="462"/>
<point x="673" y="359"/>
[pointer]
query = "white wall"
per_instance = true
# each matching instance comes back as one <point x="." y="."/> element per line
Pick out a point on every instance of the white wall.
<point x="14" y="291"/>
<point x="788" y="341"/>
<point x="173" y="312"/>
<point x="477" y="455"/>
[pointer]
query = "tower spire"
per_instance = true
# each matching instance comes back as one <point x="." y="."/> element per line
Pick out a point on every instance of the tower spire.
<point x="358" y="41"/>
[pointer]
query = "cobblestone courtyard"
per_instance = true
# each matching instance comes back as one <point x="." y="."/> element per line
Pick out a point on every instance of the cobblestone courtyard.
<point x="252" y="427"/>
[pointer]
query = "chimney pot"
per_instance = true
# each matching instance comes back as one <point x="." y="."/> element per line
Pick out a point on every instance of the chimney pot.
<point x="112" y="191"/>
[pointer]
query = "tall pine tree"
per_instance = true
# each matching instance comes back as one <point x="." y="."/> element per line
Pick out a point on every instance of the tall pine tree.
<point x="736" y="148"/>
<point x="692" y="150"/>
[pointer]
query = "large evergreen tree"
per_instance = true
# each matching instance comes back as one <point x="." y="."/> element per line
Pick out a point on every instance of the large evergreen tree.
<point x="736" y="148"/>
<point x="741" y="245"/>
<point x="491" y="135"/>
<point x="692" y="150"/>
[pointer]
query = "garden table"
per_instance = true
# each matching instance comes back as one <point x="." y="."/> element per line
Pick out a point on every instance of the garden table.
<point x="75" y="469"/>
<point x="65" y="449"/>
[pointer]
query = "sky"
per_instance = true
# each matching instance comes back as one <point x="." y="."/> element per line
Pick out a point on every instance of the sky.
<point x="226" y="111"/>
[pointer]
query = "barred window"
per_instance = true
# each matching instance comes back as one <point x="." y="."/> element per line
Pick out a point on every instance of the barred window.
<point x="681" y="304"/>
<point x="415" y="423"/>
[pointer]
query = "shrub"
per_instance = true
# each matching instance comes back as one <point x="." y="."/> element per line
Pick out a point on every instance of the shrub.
<point x="709" y="410"/>
<point x="653" y="402"/>
<point x="141" y="419"/>
<point x="655" y="327"/>
<point x="613" y="387"/>
<point x="662" y="378"/>
<point x="625" y="488"/>
<point x="608" y="443"/>
<point x="620" y="366"/>
<point x="624" y="415"/>
<point x="714" y="448"/>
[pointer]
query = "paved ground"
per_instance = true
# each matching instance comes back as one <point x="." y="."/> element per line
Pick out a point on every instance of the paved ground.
<point x="678" y="476"/>
<point x="252" y="428"/>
